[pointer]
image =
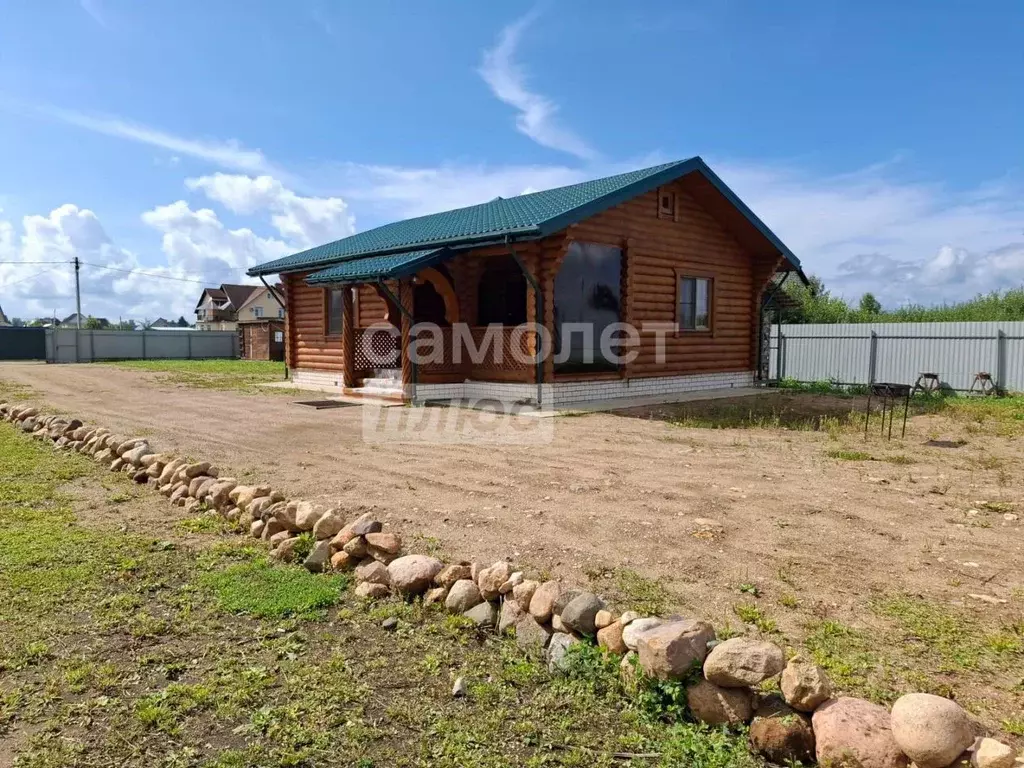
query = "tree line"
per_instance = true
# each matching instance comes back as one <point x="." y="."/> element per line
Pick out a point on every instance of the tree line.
<point x="815" y="304"/>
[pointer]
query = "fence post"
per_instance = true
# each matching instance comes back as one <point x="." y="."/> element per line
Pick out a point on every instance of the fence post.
<point x="778" y="353"/>
<point x="873" y="359"/>
<point x="188" y="335"/>
<point x="1001" y="361"/>
<point x="143" y="344"/>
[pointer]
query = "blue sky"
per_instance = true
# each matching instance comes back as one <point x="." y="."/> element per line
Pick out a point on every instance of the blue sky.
<point x="880" y="140"/>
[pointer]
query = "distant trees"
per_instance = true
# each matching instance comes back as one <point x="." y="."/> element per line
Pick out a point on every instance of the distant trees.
<point x="869" y="305"/>
<point x="815" y="304"/>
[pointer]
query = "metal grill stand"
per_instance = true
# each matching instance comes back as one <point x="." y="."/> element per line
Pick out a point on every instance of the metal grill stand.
<point x="889" y="394"/>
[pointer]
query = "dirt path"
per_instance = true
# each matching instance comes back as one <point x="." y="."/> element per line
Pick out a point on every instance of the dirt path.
<point x="699" y="511"/>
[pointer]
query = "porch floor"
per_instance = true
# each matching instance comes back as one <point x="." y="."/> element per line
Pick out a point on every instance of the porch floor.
<point x="614" y="404"/>
<point x="335" y="392"/>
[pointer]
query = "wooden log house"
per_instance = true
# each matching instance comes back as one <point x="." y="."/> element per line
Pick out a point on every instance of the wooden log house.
<point x="670" y="250"/>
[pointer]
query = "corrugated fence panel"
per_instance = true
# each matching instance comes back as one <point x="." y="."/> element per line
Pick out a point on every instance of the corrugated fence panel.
<point x="955" y="351"/>
<point x="69" y="345"/>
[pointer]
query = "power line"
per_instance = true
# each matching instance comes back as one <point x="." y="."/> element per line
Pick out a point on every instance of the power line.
<point x="40" y="273"/>
<point x="36" y="262"/>
<point x="156" y="275"/>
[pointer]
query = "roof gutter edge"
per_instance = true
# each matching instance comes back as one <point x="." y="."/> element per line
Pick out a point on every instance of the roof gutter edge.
<point x="495" y="238"/>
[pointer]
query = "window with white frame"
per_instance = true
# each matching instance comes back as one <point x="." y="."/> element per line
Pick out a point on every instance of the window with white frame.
<point x="694" y="308"/>
<point x="258" y="311"/>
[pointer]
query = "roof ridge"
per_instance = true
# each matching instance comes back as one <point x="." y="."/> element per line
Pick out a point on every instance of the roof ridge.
<point x="527" y="216"/>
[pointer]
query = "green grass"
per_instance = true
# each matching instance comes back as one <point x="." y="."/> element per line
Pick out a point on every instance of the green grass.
<point x="848" y="455"/>
<point x="239" y="375"/>
<point x="261" y="588"/>
<point x="116" y="649"/>
<point x="631" y="590"/>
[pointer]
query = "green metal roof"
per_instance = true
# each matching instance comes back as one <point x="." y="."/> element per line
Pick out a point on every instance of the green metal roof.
<point x="367" y="268"/>
<point x="533" y="215"/>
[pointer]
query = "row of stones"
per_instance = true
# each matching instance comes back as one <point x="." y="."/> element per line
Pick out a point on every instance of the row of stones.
<point x="803" y="723"/>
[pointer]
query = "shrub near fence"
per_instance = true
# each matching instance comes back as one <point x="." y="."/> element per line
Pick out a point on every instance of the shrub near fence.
<point x="849" y="353"/>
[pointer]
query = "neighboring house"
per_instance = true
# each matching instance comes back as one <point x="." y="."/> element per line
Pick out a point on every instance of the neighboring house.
<point x="217" y="308"/>
<point x="3" y="318"/>
<point x="71" y="321"/>
<point x="669" y="250"/>
<point x="261" y="325"/>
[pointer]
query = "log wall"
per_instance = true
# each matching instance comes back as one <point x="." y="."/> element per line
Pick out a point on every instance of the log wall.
<point x="658" y="249"/>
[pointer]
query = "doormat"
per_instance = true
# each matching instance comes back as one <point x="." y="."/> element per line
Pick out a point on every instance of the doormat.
<point x="321" y="404"/>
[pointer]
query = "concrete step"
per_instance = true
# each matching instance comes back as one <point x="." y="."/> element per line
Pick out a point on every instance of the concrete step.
<point x="381" y="383"/>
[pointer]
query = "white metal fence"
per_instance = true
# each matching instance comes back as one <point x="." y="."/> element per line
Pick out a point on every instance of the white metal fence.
<point x="856" y="353"/>
<point x="69" y="345"/>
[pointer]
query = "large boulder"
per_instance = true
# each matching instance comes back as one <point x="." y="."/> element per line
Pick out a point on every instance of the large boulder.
<point x="372" y="590"/>
<point x="355" y="548"/>
<point x="855" y="732"/>
<point x="542" y="603"/>
<point x="931" y="730"/>
<point x="610" y="638"/>
<point x="523" y="593"/>
<point x="194" y="470"/>
<point x="671" y="650"/>
<point x="580" y="613"/>
<point x="413" y="574"/>
<point x="374" y="572"/>
<point x="319" y="558"/>
<point x="384" y="546"/>
<point x="633" y="629"/>
<point x="463" y="595"/>
<point x="451" y="574"/>
<point x="483" y="615"/>
<point x="780" y="734"/>
<point x="741" y="661"/>
<point x="714" y="705"/>
<point x="531" y="635"/>
<point x="805" y="686"/>
<point x="558" y="647"/>
<point x="989" y="753"/>
<point x="329" y="525"/>
<point x="307" y="515"/>
<point x="490" y="579"/>
<point x="510" y="615"/>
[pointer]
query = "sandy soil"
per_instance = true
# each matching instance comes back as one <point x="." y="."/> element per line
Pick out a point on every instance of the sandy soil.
<point x="701" y="511"/>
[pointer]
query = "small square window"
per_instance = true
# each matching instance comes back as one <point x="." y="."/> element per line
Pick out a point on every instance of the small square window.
<point x="666" y="204"/>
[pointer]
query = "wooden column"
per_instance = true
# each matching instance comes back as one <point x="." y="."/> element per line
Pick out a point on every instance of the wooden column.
<point x="348" y="338"/>
<point x="626" y="313"/>
<point x="552" y="252"/>
<point x="405" y="297"/>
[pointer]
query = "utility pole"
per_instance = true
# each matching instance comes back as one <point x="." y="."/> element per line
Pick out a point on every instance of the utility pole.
<point x="78" y="295"/>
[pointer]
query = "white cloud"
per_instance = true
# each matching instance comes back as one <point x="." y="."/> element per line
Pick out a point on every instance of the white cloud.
<point x="395" y="192"/>
<point x="227" y="154"/>
<point x="903" y="241"/>
<point x="197" y="242"/>
<point x="538" y="115"/>
<point x="36" y="290"/>
<point x="305" y="221"/>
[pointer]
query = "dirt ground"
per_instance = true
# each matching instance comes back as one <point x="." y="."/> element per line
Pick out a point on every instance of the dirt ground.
<point x="790" y="530"/>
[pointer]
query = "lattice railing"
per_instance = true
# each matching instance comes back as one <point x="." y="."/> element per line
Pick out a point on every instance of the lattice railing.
<point x="377" y="347"/>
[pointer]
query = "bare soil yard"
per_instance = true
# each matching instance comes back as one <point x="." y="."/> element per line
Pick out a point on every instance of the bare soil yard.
<point x="899" y="565"/>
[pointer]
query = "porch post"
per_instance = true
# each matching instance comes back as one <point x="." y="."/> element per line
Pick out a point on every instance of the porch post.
<point x="348" y="338"/>
<point x="405" y="297"/>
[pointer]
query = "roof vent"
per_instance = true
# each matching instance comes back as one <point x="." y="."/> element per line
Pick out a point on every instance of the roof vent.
<point x="499" y="197"/>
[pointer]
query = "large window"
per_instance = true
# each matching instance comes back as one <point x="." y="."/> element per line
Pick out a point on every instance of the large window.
<point x="501" y="293"/>
<point x="588" y="290"/>
<point x="335" y="307"/>
<point x="694" y="313"/>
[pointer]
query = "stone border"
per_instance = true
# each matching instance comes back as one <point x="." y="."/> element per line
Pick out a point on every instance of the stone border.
<point x="804" y="723"/>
